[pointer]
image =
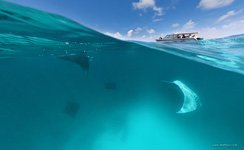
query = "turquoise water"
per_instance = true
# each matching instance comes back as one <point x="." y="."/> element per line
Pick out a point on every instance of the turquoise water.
<point x="66" y="87"/>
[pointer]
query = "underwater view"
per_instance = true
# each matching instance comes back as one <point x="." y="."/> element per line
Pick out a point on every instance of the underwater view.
<point x="64" y="86"/>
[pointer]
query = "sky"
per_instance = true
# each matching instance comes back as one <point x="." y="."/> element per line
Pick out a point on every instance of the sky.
<point x="146" y="20"/>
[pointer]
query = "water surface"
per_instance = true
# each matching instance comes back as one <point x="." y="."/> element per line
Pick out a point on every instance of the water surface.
<point x="64" y="86"/>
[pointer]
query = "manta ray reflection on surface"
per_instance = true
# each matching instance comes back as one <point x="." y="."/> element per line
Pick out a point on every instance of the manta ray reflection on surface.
<point x="191" y="99"/>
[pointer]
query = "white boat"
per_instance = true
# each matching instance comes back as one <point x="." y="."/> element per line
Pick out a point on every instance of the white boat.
<point x="180" y="37"/>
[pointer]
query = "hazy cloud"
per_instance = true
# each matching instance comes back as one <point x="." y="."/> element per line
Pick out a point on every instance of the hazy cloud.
<point x="115" y="35"/>
<point x="235" y="27"/>
<point x="212" y="4"/>
<point x="148" y="4"/>
<point x="229" y="14"/>
<point x="188" y="25"/>
<point x="157" y="19"/>
<point x="150" y="31"/>
<point x="175" y="25"/>
<point x="130" y="33"/>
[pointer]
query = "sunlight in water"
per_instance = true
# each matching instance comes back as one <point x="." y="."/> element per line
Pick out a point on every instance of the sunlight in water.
<point x="146" y="129"/>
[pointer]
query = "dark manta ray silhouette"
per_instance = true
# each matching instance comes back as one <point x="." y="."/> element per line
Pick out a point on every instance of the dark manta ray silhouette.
<point x="111" y="86"/>
<point x="81" y="59"/>
<point x="72" y="108"/>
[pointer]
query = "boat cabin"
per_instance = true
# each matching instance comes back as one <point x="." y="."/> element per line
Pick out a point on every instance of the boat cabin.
<point x="180" y="37"/>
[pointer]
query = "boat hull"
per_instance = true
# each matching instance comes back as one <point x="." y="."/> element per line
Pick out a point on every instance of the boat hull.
<point x="178" y="40"/>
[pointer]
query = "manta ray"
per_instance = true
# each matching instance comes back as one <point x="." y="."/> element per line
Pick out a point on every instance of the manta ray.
<point x="111" y="86"/>
<point x="72" y="108"/>
<point x="81" y="59"/>
<point x="191" y="99"/>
